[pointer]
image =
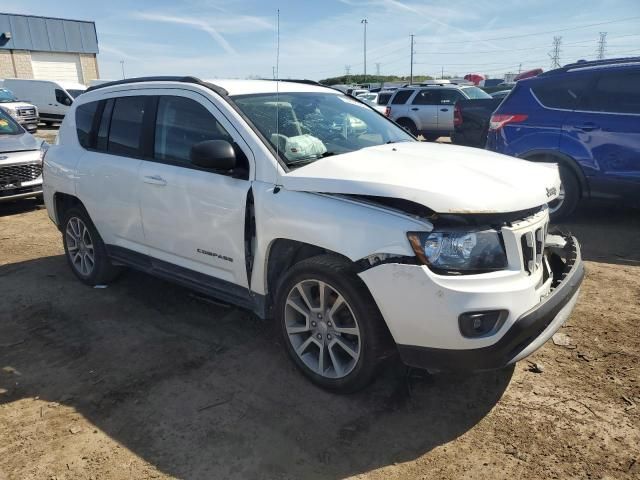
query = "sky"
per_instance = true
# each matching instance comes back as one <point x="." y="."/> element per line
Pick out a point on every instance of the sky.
<point x="324" y="38"/>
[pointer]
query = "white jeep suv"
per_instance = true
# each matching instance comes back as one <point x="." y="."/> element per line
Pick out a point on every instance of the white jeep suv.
<point x="303" y="204"/>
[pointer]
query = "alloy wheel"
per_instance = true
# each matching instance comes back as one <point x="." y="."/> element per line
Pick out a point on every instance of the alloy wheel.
<point x="322" y="329"/>
<point x="80" y="246"/>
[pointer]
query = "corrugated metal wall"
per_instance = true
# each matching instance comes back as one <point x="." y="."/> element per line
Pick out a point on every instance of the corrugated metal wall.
<point x="48" y="34"/>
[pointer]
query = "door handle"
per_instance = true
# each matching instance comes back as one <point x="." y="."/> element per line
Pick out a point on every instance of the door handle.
<point x="587" y="127"/>
<point x="155" y="180"/>
<point x="444" y="109"/>
<point x="415" y="109"/>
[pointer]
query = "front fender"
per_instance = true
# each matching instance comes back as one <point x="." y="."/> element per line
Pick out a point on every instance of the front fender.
<point x="346" y="227"/>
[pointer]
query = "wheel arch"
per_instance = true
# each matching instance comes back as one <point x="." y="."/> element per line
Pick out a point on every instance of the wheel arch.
<point x="61" y="203"/>
<point x="551" y="156"/>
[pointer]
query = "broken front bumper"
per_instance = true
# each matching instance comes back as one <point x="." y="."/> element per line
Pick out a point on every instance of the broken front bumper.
<point x="528" y="333"/>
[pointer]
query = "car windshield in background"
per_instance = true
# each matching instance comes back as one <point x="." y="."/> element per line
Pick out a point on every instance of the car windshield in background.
<point x="75" y="93"/>
<point x="7" y="96"/>
<point x="475" y="93"/>
<point x="7" y="125"/>
<point x="304" y="127"/>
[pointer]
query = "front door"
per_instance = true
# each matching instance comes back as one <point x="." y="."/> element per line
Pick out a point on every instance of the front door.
<point x="194" y="219"/>
<point x="424" y="110"/>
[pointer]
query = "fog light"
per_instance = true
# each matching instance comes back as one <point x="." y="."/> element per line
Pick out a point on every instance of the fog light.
<point x="479" y="324"/>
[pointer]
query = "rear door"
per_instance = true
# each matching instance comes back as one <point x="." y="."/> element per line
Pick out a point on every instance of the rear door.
<point x="424" y="109"/>
<point x="109" y="168"/>
<point x="448" y="99"/>
<point x="607" y="122"/>
<point x="193" y="218"/>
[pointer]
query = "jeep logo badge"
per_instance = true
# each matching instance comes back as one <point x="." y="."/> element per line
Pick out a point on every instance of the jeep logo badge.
<point x="551" y="191"/>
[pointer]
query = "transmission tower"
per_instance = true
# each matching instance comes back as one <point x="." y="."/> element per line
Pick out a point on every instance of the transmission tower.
<point x="347" y="72"/>
<point x="555" y="53"/>
<point x="378" y="68"/>
<point x="602" y="45"/>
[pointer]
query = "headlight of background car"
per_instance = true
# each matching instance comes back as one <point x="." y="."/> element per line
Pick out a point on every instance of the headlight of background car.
<point x="459" y="251"/>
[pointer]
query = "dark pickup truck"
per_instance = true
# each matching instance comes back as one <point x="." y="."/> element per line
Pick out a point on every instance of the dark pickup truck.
<point x="471" y="121"/>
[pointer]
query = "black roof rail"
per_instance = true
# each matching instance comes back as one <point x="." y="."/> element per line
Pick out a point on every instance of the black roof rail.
<point x="296" y="80"/>
<point x="162" y="78"/>
<point x="592" y="63"/>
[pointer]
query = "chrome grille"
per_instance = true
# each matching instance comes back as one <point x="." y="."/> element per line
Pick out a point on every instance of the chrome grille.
<point x="26" y="112"/>
<point x="532" y="243"/>
<point x="13" y="175"/>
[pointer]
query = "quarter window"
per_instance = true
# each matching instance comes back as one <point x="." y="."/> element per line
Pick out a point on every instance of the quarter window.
<point x="126" y="126"/>
<point x="180" y="124"/>
<point x="84" y="122"/>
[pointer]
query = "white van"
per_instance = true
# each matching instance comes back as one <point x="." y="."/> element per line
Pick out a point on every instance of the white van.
<point x="52" y="98"/>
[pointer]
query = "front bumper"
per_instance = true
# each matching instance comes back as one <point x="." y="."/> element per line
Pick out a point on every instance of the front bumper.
<point x="528" y="333"/>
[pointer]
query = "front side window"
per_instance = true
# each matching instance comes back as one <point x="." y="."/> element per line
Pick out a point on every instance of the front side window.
<point x="615" y="92"/>
<point x="180" y="124"/>
<point x="7" y="96"/>
<point x="62" y="97"/>
<point x="126" y="126"/>
<point x="303" y="127"/>
<point x="450" y="97"/>
<point x="84" y="121"/>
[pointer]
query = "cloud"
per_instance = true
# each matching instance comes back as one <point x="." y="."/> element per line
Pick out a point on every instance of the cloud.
<point x="189" y="21"/>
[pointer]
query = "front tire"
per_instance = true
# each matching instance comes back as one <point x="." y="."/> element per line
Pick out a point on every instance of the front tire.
<point x="568" y="197"/>
<point x="409" y="126"/>
<point x="84" y="249"/>
<point x="330" y="324"/>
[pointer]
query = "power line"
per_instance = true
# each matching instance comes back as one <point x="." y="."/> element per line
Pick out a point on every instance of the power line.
<point x="476" y="40"/>
<point x="602" y="45"/>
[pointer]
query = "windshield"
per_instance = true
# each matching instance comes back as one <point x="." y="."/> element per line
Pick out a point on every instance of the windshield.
<point x="7" y="125"/>
<point x="7" y="96"/>
<point x="310" y="126"/>
<point x="475" y="93"/>
<point x="75" y="93"/>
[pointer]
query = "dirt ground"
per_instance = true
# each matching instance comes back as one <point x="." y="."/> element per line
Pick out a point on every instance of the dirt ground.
<point x="144" y="379"/>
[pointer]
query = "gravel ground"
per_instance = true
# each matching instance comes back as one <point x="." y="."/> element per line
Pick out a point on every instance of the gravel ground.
<point x="145" y="379"/>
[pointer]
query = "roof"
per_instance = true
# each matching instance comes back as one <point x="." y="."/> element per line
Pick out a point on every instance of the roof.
<point x="593" y="64"/>
<point x="226" y="87"/>
<point x="45" y="34"/>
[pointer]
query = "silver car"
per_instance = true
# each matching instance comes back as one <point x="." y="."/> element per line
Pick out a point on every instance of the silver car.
<point x="428" y="110"/>
<point x="20" y="161"/>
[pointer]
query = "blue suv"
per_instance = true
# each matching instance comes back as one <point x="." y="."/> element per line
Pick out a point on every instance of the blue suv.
<point x="586" y="118"/>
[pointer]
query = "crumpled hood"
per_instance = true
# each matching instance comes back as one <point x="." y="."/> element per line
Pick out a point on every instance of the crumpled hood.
<point x="444" y="178"/>
<point x="18" y="143"/>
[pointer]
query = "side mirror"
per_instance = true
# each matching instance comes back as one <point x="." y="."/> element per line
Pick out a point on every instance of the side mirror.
<point x="68" y="102"/>
<point x="213" y="155"/>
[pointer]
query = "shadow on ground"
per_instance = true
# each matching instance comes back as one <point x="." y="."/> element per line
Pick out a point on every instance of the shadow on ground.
<point x="202" y="390"/>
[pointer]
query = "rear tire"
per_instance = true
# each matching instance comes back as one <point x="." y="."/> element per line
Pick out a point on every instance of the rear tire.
<point x="337" y="342"/>
<point x="85" y="250"/>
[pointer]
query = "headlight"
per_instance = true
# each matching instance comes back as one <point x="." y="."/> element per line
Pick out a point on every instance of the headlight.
<point x="44" y="147"/>
<point x="460" y="252"/>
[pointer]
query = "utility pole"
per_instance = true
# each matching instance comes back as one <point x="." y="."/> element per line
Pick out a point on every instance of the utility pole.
<point x="555" y="53"/>
<point x="273" y="71"/>
<point x="602" y="45"/>
<point x="364" y="22"/>
<point x="442" y="73"/>
<point x="411" y="71"/>
<point x="378" y="69"/>
<point x="520" y="69"/>
<point x="122" y="66"/>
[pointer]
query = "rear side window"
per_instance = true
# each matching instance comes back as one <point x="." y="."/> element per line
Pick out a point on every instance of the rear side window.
<point x="125" y="133"/>
<point x="562" y="93"/>
<point x="180" y="124"/>
<point x="401" y="97"/>
<point x="84" y="122"/>
<point x="616" y="92"/>
<point x="427" y="97"/>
